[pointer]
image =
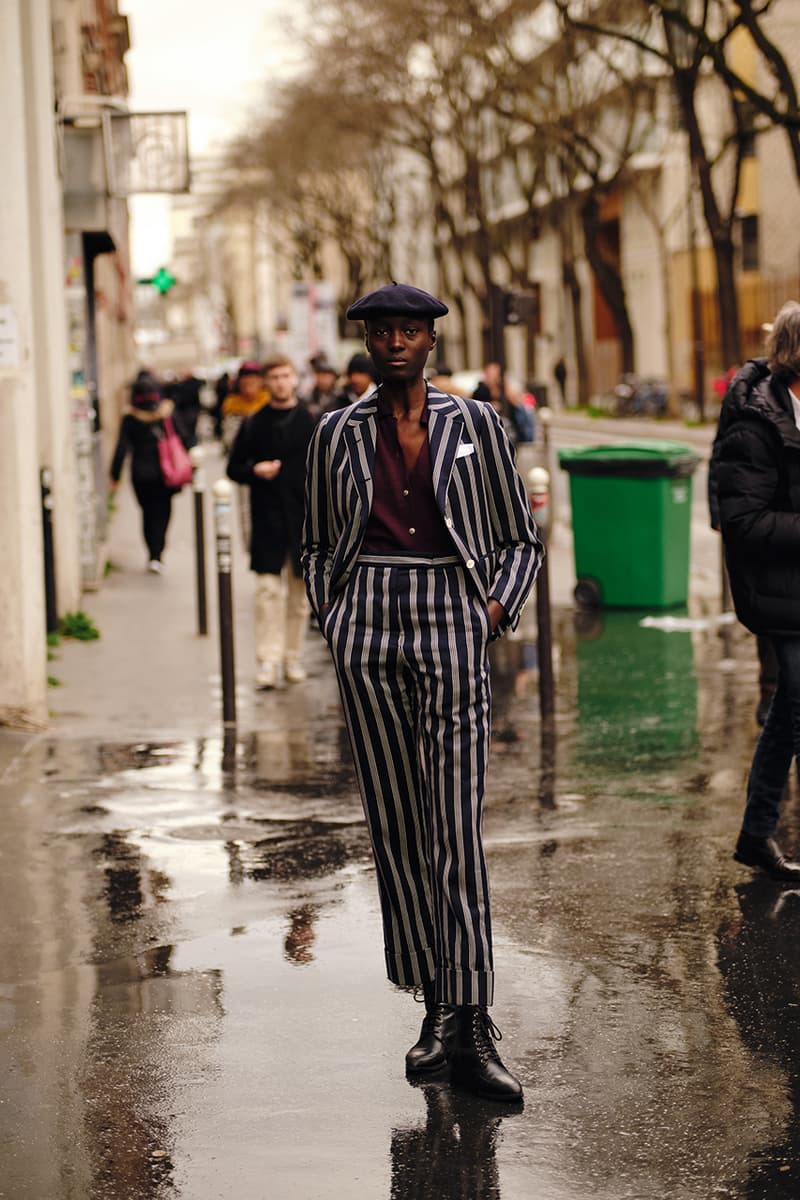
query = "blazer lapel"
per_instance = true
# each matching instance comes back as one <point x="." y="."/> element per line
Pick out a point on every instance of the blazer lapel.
<point x="445" y="425"/>
<point x="359" y="437"/>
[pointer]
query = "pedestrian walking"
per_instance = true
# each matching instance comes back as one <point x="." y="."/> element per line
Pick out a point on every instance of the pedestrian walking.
<point x="322" y="396"/>
<point x="247" y="398"/>
<point x="269" y="457"/>
<point x="758" y="482"/>
<point x="560" y="376"/>
<point x="221" y="390"/>
<point x="739" y="387"/>
<point x="494" y="390"/>
<point x="188" y="405"/>
<point x="419" y="548"/>
<point x="143" y="426"/>
<point x="359" y="382"/>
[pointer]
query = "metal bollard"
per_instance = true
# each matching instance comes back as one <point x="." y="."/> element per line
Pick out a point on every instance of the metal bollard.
<point x="197" y="456"/>
<point x="223" y="496"/>
<point x="51" y="606"/>
<point x="539" y="493"/>
<point x="546" y="416"/>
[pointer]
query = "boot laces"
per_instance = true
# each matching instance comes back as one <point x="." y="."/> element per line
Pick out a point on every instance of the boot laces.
<point x="485" y="1034"/>
<point x="434" y="1020"/>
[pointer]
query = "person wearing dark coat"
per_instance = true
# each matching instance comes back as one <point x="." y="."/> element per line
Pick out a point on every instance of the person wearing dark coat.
<point x="359" y="383"/>
<point x="187" y="405"/>
<point x="141" y="429"/>
<point x="738" y="388"/>
<point x="269" y="455"/>
<point x="757" y="480"/>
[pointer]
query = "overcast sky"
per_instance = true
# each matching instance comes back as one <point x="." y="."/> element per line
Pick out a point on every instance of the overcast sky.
<point x="214" y="58"/>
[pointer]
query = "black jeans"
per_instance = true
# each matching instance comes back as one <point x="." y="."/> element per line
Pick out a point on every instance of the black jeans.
<point x="778" y="744"/>
<point x="155" y="501"/>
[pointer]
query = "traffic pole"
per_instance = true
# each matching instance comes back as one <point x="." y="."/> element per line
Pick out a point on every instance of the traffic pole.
<point x="223" y="498"/>
<point x="545" y="416"/>
<point x="539" y="494"/>
<point x="51" y="606"/>
<point x="197" y="456"/>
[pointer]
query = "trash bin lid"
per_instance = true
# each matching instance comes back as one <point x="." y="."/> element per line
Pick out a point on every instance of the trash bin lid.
<point x="631" y="460"/>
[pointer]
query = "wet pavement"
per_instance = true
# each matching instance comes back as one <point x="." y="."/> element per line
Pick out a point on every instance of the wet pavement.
<point x="192" y="999"/>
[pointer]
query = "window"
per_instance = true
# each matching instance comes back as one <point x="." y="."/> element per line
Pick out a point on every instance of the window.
<point x="749" y="236"/>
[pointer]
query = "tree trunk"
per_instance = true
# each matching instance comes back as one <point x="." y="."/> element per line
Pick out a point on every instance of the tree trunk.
<point x="573" y="286"/>
<point x="719" y="227"/>
<point x="609" y="280"/>
<point x="724" y="257"/>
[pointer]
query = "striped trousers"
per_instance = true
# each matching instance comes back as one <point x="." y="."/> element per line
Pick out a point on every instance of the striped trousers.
<point x="409" y="641"/>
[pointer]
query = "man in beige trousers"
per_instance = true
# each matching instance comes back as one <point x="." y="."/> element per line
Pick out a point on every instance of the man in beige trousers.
<point x="269" y="455"/>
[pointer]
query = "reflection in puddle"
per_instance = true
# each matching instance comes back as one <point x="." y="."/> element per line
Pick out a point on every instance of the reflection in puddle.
<point x="306" y="850"/>
<point x="453" y="1155"/>
<point x="637" y="694"/>
<point x="300" y="938"/>
<point x="757" y="958"/>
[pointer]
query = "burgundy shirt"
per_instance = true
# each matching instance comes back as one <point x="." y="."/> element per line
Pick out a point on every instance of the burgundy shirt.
<point x="405" y="517"/>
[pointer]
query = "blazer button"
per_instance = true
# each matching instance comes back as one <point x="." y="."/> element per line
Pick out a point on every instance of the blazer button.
<point x="470" y="562"/>
<point x="448" y="523"/>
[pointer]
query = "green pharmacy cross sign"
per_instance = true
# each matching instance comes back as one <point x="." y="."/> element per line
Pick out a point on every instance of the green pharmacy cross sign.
<point x="162" y="281"/>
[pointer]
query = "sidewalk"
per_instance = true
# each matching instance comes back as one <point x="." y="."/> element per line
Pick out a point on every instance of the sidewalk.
<point x="150" y="673"/>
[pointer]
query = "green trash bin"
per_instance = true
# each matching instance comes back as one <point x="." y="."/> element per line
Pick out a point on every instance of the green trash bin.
<point x="631" y="520"/>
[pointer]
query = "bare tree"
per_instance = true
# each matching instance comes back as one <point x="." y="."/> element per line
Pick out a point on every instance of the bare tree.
<point x="691" y="44"/>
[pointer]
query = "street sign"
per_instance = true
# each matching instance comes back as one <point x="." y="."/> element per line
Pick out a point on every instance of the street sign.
<point x="147" y="152"/>
<point x="162" y="281"/>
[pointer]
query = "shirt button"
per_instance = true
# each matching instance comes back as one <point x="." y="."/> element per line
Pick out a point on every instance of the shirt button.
<point x="405" y="491"/>
<point x="412" y="531"/>
<point x="470" y="562"/>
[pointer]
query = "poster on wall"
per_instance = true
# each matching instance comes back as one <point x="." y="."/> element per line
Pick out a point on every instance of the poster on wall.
<point x="82" y="415"/>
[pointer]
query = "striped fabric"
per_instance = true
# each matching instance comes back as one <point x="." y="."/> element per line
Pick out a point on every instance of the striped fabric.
<point x="478" y="489"/>
<point x="409" y="640"/>
<point x="409" y="643"/>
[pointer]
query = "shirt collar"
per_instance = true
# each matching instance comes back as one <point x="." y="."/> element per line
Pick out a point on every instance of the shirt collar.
<point x="385" y="409"/>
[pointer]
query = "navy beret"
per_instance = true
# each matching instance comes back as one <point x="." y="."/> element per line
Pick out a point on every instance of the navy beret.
<point x="396" y="298"/>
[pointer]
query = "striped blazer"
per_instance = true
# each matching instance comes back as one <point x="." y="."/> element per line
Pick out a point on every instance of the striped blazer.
<point x="478" y="490"/>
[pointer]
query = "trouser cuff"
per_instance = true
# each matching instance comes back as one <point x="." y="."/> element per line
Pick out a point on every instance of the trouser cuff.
<point x="452" y="985"/>
<point x="464" y="987"/>
<point x="410" y="970"/>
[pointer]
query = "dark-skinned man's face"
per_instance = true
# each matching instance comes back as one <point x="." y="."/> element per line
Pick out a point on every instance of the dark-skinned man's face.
<point x="400" y="346"/>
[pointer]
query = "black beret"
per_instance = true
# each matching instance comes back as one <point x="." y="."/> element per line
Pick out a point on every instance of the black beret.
<point x="396" y="299"/>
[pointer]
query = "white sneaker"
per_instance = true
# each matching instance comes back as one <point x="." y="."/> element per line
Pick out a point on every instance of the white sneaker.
<point x="295" y="672"/>
<point x="155" y="567"/>
<point x="267" y="676"/>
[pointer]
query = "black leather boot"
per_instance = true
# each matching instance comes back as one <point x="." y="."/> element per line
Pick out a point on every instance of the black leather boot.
<point x="766" y="854"/>
<point x="429" y="1053"/>
<point x="474" y="1060"/>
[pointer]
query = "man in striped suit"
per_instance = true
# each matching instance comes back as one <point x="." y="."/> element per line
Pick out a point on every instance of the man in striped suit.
<point x="420" y="548"/>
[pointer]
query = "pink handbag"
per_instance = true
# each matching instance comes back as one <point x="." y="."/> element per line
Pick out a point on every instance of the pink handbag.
<point x="176" y="466"/>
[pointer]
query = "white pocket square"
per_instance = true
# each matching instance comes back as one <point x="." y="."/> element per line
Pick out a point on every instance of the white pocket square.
<point x="464" y="449"/>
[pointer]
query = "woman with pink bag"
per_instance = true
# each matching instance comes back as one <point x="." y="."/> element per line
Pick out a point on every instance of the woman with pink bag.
<point x="145" y="426"/>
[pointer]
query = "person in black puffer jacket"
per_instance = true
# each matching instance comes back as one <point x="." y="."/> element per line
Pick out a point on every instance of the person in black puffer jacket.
<point x="757" y="479"/>
<point x="752" y="373"/>
<point x="140" y="430"/>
